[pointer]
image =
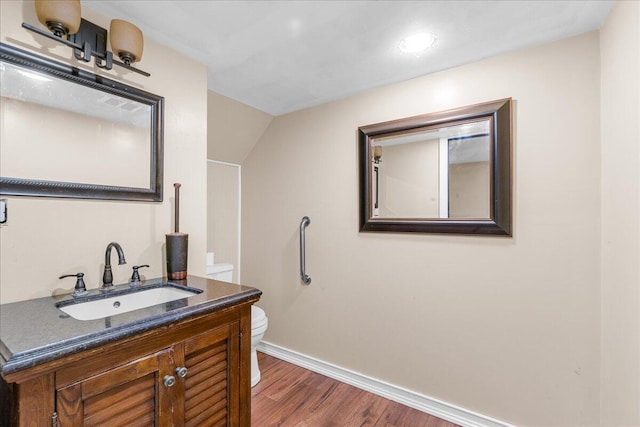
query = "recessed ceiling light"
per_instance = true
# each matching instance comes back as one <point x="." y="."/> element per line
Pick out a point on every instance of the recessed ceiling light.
<point x="417" y="42"/>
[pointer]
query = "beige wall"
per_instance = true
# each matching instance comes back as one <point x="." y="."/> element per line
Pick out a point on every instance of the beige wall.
<point x="506" y="327"/>
<point x="39" y="133"/>
<point x="409" y="180"/>
<point x="223" y="198"/>
<point x="47" y="237"/>
<point x="469" y="185"/>
<point x="620" y="91"/>
<point x="233" y="128"/>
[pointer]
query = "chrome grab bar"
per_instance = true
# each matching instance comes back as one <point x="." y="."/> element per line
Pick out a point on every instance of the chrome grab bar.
<point x="305" y="278"/>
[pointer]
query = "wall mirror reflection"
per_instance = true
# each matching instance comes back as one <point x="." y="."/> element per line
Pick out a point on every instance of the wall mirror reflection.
<point x="446" y="172"/>
<point x="67" y="133"/>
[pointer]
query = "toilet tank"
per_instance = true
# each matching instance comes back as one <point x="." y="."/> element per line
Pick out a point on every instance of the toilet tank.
<point x="222" y="272"/>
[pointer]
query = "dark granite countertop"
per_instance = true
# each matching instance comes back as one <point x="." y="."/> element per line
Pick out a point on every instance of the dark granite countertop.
<point x="35" y="331"/>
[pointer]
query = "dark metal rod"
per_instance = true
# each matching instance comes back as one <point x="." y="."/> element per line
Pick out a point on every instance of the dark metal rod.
<point x="304" y="224"/>
<point x="130" y="68"/>
<point x="50" y="36"/>
<point x="376" y="172"/>
<point x="177" y="216"/>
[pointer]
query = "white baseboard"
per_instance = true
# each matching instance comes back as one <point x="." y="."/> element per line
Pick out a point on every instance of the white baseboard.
<point x="429" y="405"/>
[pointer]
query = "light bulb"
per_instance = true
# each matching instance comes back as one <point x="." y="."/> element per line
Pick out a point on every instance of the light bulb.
<point x="417" y="42"/>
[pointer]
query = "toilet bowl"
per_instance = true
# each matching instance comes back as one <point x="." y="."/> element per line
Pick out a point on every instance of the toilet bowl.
<point x="259" y="323"/>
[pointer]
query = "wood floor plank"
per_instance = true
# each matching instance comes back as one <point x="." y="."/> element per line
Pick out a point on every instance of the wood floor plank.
<point x="335" y="405"/>
<point x="358" y="408"/>
<point x="368" y="409"/>
<point x="291" y="396"/>
<point x="301" y="400"/>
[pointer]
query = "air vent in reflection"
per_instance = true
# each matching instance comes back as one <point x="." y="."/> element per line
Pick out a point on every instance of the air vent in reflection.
<point x="121" y="103"/>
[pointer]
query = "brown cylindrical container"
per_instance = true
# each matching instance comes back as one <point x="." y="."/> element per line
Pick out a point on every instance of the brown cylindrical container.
<point x="177" y="245"/>
<point x="177" y="250"/>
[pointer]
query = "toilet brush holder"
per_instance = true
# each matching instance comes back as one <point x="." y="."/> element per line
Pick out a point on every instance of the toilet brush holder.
<point x="177" y="245"/>
<point x="177" y="251"/>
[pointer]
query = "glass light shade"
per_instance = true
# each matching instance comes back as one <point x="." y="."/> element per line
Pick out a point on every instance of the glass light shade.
<point x="126" y="40"/>
<point x="60" y="16"/>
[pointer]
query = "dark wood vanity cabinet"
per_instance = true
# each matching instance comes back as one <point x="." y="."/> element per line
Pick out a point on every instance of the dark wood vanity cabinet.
<point x="194" y="372"/>
<point x="126" y="395"/>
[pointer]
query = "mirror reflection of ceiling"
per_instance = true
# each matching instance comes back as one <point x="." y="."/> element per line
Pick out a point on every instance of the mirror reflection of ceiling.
<point x="20" y="84"/>
<point x="469" y="150"/>
<point x="468" y="142"/>
<point x="282" y="56"/>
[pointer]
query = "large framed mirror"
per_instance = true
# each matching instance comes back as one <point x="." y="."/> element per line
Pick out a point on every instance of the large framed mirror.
<point x="444" y="172"/>
<point x="66" y="132"/>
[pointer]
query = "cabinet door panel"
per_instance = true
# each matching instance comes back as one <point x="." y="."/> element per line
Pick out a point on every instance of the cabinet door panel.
<point x="132" y="403"/>
<point x="131" y="395"/>
<point x="212" y="361"/>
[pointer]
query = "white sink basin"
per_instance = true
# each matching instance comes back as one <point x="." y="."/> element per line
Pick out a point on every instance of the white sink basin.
<point x="119" y="304"/>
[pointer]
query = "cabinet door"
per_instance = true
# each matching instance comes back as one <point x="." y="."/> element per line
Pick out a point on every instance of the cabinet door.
<point x="212" y="381"/>
<point x="129" y="395"/>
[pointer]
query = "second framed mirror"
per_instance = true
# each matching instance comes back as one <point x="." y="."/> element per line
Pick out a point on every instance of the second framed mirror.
<point x="445" y="172"/>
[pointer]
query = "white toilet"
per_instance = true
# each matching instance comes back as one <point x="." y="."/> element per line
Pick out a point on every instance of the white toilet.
<point x="259" y="321"/>
<point x="220" y="271"/>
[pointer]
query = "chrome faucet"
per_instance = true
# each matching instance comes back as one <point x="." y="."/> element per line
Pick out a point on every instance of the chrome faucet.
<point x="107" y="276"/>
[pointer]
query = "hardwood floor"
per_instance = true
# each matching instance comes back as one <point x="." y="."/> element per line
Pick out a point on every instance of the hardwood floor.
<point x="291" y="396"/>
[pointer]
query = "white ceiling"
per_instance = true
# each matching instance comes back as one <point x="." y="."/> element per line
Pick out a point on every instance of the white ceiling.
<point x="282" y="56"/>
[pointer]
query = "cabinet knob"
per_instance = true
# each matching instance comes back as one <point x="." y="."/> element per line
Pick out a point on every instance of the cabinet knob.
<point x="181" y="372"/>
<point x="169" y="380"/>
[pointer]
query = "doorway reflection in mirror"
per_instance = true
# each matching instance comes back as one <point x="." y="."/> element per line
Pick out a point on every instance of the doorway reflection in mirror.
<point x="433" y="173"/>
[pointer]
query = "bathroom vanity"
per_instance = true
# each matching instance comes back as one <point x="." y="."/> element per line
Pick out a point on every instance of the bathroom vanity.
<point x="182" y="362"/>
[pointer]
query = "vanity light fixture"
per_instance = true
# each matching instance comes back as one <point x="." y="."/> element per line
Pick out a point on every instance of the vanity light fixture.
<point x="126" y="41"/>
<point x="377" y="154"/>
<point x="63" y="19"/>
<point x="417" y="42"/>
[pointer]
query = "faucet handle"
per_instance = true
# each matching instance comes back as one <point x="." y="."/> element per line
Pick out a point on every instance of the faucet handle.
<point x="80" y="288"/>
<point x="135" y="277"/>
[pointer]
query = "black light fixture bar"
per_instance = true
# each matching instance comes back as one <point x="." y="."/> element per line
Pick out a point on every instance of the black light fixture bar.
<point x="84" y="50"/>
